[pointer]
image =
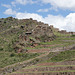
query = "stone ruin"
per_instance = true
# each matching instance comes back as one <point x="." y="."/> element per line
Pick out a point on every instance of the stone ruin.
<point x="36" y="32"/>
<point x="33" y="35"/>
<point x="54" y="29"/>
<point x="61" y="31"/>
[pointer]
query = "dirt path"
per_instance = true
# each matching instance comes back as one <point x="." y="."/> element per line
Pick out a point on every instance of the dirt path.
<point x="29" y="62"/>
<point x="68" y="40"/>
<point x="20" y="65"/>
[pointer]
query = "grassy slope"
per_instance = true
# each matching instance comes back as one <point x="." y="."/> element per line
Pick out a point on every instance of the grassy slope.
<point x="8" y="58"/>
<point x="5" y="55"/>
<point x="62" y="56"/>
<point x="7" y="39"/>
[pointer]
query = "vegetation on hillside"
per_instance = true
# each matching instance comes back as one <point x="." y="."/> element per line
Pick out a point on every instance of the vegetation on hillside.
<point x="13" y="35"/>
<point x="8" y="58"/>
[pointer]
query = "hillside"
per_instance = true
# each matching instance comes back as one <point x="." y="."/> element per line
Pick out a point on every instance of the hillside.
<point x="23" y="32"/>
<point x="27" y="42"/>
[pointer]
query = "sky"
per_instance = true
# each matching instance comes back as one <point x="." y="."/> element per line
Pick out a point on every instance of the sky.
<point x="59" y="13"/>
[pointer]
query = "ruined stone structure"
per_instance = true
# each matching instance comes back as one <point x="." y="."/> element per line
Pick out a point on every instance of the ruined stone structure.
<point x="34" y="33"/>
<point x="54" y="29"/>
<point x="63" y="31"/>
<point x="71" y="33"/>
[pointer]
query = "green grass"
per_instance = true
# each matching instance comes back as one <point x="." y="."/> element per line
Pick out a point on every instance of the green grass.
<point x="61" y="34"/>
<point x="35" y="66"/>
<point x="8" y="58"/>
<point x="56" y="43"/>
<point x="62" y="56"/>
<point x="6" y="48"/>
<point x="66" y="38"/>
<point x="59" y="40"/>
<point x="46" y="71"/>
<point x="73" y="35"/>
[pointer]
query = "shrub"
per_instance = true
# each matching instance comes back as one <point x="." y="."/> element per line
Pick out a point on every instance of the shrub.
<point x="12" y="54"/>
<point x="73" y="35"/>
<point x="9" y="48"/>
<point x="1" y="49"/>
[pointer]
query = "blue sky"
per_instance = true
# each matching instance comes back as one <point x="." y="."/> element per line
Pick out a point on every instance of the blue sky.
<point x="60" y="13"/>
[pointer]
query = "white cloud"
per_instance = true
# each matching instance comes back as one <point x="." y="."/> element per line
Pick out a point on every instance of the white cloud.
<point x="70" y="22"/>
<point x="67" y="23"/>
<point x="6" y="5"/>
<point x="43" y="10"/>
<point x="23" y="2"/>
<point x="63" y="4"/>
<point x="47" y="9"/>
<point x="57" y="21"/>
<point x="29" y="15"/>
<point x="10" y="12"/>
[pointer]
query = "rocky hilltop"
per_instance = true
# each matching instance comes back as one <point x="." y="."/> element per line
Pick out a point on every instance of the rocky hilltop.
<point x="28" y="32"/>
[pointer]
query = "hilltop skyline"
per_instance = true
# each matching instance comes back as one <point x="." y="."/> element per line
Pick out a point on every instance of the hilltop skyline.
<point x="60" y="13"/>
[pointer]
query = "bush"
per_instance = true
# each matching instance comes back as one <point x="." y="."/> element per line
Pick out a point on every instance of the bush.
<point x="12" y="54"/>
<point x="73" y="35"/>
<point x="37" y="60"/>
<point x="9" y="48"/>
<point x="1" y="49"/>
<point x="66" y="55"/>
<point x="20" y="54"/>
